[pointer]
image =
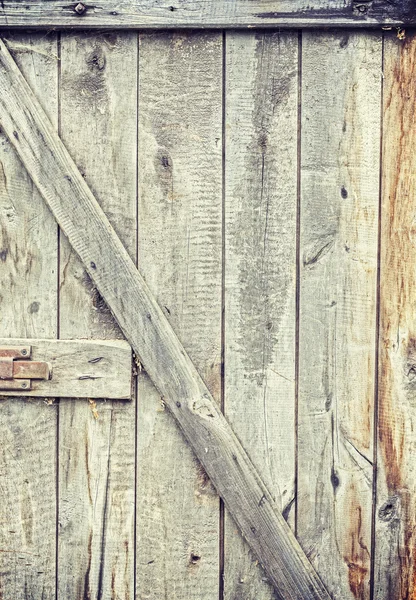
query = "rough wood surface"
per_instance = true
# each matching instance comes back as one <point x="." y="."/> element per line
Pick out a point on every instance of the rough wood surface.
<point x="146" y="327"/>
<point x="340" y="144"/>
<point x="180" y="240"/>
<point x="395" y="564"/>
<point x="98" y="89"/>
<point x="79" y="368"/>
<point x="28" y="283"/>
<point x="261" y="74"/>
<point x="205" y="13"/>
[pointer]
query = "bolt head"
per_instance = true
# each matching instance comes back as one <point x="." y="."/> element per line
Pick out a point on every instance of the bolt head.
<point x="80" y="8"/>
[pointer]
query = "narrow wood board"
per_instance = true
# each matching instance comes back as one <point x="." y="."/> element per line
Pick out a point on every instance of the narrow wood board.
<point x="394" y="558"/>
<point x="261" y="74"/>
<point x="28" y="305"/>
<point x="180" y="241"/>
<point x="146" y="327"/>
<point x="98" y="112"/>
<point x="164" y="14"/>
<point x="340" y="148"/>
<point x="80" y="368"/>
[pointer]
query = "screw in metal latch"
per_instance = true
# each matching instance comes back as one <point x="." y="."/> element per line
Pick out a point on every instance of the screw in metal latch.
<point x="80" y="8"/>
<point x="23" y="385"/>
<point x="24" y="352"/>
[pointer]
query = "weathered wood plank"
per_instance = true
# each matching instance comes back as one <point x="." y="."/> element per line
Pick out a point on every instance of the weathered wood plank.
<point x="260" y="274"/>
<point x="28" y="305"/>
<point x="340" y="147"/>
<point x="180" y="241"/>
<point x="80" y="368"/>
<point x="205" y="13"/>
<point x="98" y="91"/>
<point x="146" y="327"/>
<point x="395" y="564"/>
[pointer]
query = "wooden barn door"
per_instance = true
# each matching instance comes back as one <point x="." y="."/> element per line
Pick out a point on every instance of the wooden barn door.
<point x="263" y="182"/>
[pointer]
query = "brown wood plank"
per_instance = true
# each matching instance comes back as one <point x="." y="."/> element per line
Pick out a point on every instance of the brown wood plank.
<point x="164" y="14"/>
<point x="260" y="275"/>
<point x="28" y="306"/>
<point x="180" y="240"/>
<point x="395" y="561"/>
<point x="98" y="102"/>
<point x="146" y="327"/>
<point x="340" y="148"/>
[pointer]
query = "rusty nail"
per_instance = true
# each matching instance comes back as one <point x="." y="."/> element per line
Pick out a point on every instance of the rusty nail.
<point x="80" y="8"/>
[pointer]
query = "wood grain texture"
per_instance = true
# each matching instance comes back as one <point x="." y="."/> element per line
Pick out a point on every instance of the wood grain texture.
<point x="146" y="327"/>
<point x="28" y="305"/>
<point x="180" y="256"/>
<point x="260" y="275"/>
<point x="341" y="82"/>
<point x="395" y="564"/>
<point x="98" y="91"/>
<point x="80" y="368"/>
<point x="164" y="14"/>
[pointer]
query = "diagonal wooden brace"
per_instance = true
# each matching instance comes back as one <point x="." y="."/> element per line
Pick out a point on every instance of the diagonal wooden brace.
<point x="153" y="339"/>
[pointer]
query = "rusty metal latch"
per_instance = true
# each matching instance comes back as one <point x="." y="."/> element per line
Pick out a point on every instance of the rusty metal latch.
<point x="17" y="370"/>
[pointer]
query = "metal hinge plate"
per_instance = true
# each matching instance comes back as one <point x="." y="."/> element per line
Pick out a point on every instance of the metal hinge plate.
<point x="17" y="370"/>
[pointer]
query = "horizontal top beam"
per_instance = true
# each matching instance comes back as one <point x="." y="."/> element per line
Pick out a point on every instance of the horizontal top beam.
<point x="176" y="14"/>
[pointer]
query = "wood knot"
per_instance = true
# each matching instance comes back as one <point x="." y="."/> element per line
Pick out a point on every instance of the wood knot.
<point x="389" y="510"/>
<point x="166" y="163"/>
<point x="334" y="479"/>
<point x="263" y="141"/>
<point x="96" y="60"/>
<point x="344" y="41"/>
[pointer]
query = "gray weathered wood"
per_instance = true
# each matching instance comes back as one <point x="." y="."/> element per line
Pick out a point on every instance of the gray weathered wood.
<point x="260" y="275"/>
<point x="180" y="239"/>
<point x="205" y="13"/>
<point x="146" y="327"/>
<point x="80" y="368"/>
<point x="340" y="144"/>
<point x="28" y="306"/>
<point x="98" y="100"/>
<point x="395" y="526"/>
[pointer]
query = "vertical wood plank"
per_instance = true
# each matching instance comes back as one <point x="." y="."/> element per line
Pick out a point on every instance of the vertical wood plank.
<point x="395" y="564"/>
<point x="98" y="90"/>
<point x="180" y="187"/>
<point x="28" y="305"/>
<point x="260" y="274"/>
<point x="341" y="75"/>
